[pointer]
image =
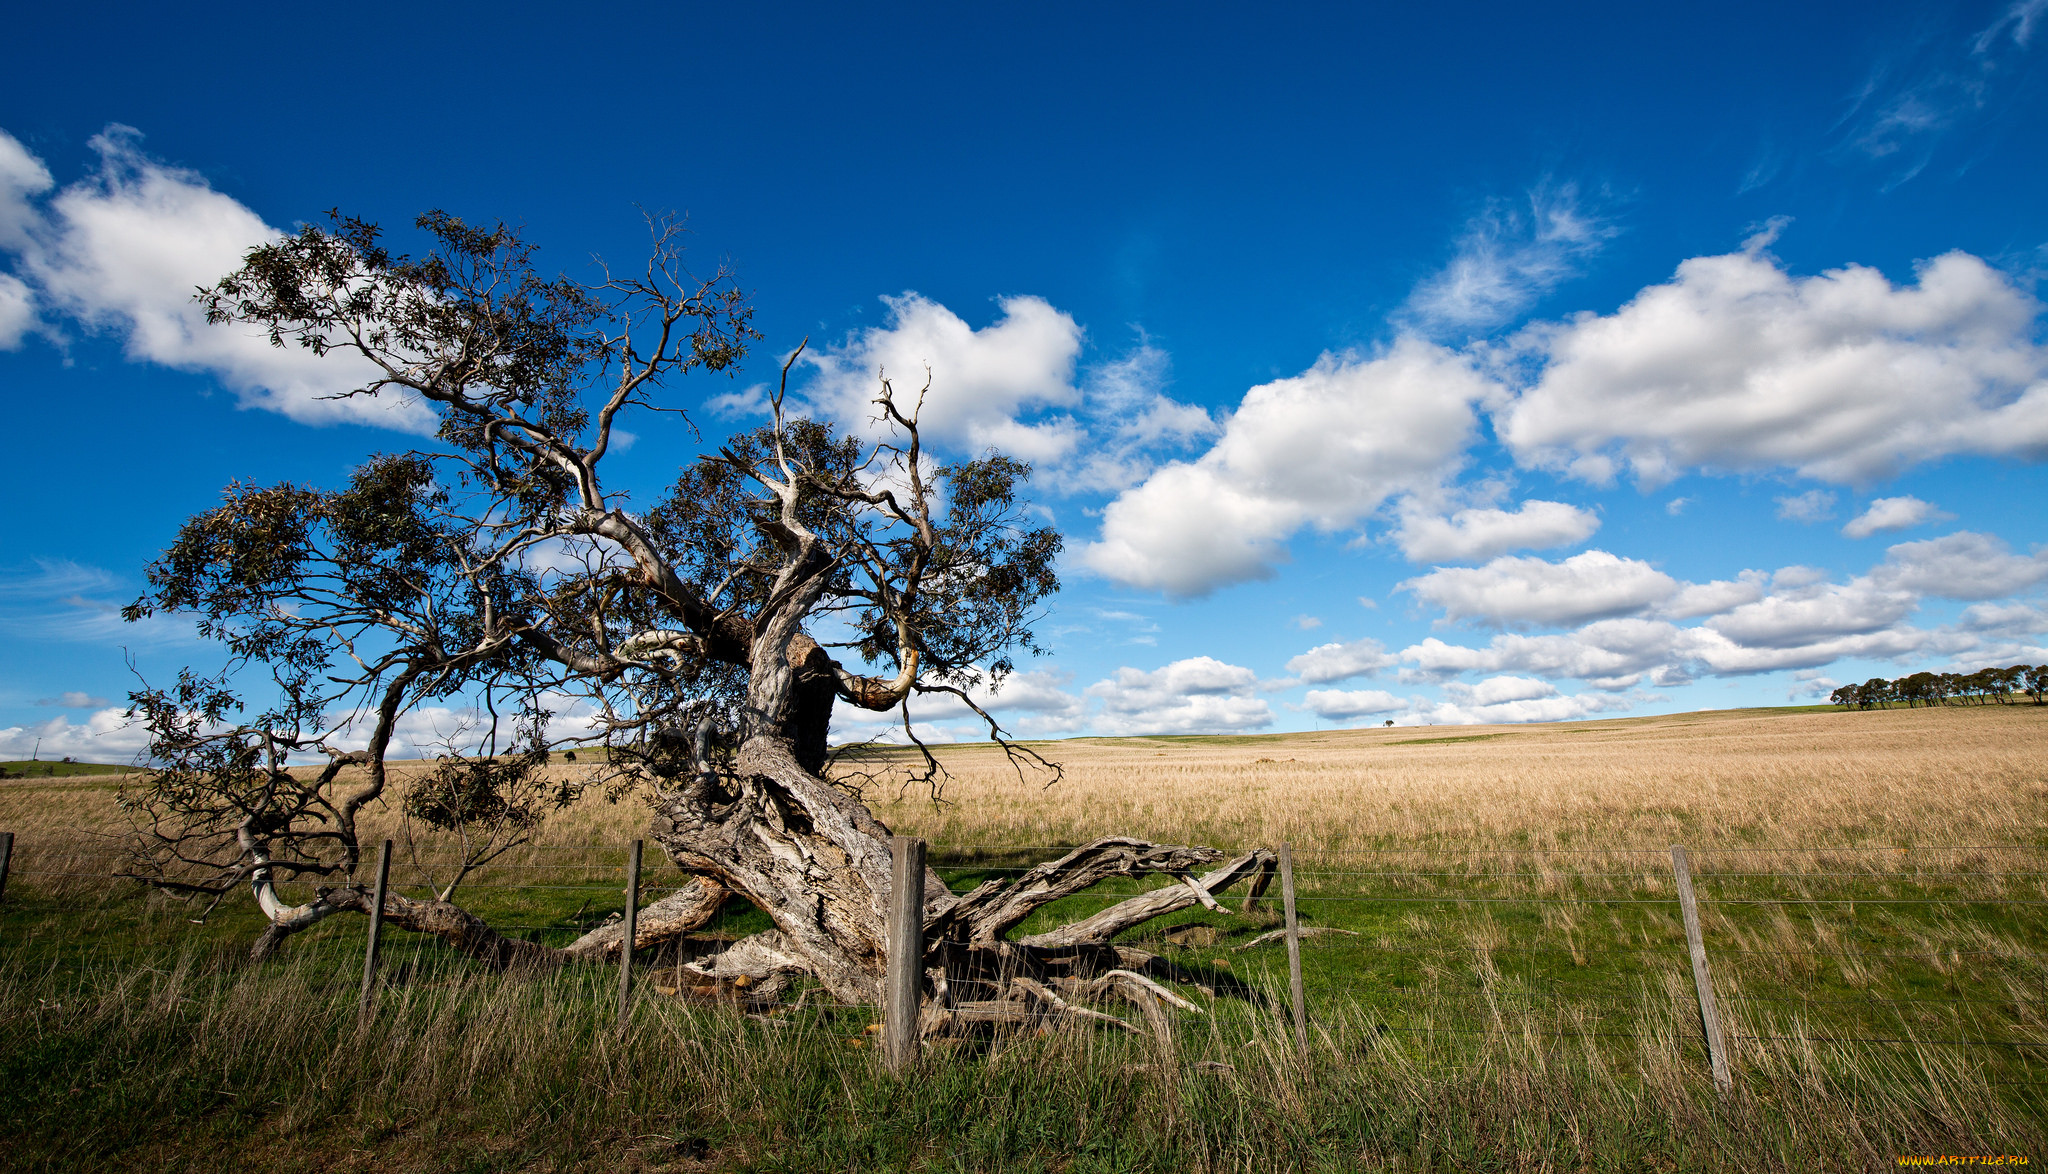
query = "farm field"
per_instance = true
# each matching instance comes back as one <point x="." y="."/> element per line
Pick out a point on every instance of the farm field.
<point x="1501" y="980"/>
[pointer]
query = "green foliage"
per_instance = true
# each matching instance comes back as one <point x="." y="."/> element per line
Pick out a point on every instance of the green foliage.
<point x="1928" y="688"/>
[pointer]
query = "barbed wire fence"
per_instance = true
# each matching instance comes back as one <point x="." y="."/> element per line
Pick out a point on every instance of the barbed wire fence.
<point x="1750" y="947"/>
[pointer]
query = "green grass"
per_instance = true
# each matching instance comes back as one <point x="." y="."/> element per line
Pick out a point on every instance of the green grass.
<point x="1550" y="1029"/>
<point x="1441" y="741"/>
<point x="26" y="768"/>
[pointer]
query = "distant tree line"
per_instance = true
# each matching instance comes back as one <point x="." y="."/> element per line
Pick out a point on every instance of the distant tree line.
<point x="1982" y="687"/>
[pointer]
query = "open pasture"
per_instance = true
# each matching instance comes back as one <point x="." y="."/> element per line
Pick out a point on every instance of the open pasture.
<point x="1501" y="980"/>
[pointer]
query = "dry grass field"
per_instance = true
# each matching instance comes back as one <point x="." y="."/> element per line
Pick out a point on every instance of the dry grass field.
<point x="1948" y="776"/>
<point x="1743" y="777"/>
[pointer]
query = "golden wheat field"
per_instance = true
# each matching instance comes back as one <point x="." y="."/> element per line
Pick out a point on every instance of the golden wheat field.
<point x="1954" y="775"/>
<point x="1754" y="778"/>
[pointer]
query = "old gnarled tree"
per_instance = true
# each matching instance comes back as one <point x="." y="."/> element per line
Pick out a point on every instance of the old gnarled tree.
<point x="703" y="642"/>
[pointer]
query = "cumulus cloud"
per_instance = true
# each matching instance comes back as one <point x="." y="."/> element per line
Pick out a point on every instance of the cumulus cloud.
<point x="981" y="380"/>
<point x="1473" y="535"/>
<point x="1343" y="704"/>
<point x="1736" y="364"/>
<point x="1893" y="513"/>
<point x="1322" y="448"/>
<point x="1518" y="591"/>
<point x="1963" y="565"/>
<point x="1010" y="385"/>
<point x="1508" y="257"/>
<point x="2009" y="621"/>
<point x="1813" y="613"/>
<point x="1199" y="695"/>
<point x="1704" y="599"/>
<point x="1336" y="662"/>
<point x="1508" y="700"/>
<point x="1608" y="654"/>
<point x="1797" y="618"/>
<point x="1495" y="690"/>
<point x="122" y="250"/>
<point x="107" y="735"/>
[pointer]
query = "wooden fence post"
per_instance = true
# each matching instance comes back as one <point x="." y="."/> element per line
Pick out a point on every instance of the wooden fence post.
<point x="1293" y="950"/>
<point x="376" y="926"/>
<point x="906" y="951"/>
<point x="632" y="928"/>
<point x="6" y="859"/>
<point x="1702" y="980"/>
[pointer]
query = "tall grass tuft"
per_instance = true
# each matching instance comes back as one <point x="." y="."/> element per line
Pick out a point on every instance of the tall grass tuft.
<point x="206" y="1063"/>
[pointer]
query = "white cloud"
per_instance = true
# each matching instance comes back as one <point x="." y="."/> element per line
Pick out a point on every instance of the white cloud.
<point x="73" y="699"/>
<point x="1306" y="623"/>
<point x="1735" y="364"/>
<point x="1809" y="614"/>
<point x="105" y="736"/>
<point x="1194" y="696"/>
<point x="123" y="251"/>
<point x="1797" y="618"/>
<point x="2019" y="18"/>
<point x="1009" y="385"/>
<point x="1340" y="704"/>
<point x="1705" y="599"/>
<point x="2008" y="621"/>
<point x="1509" y="257"/>
<point x="1130" y="422"/>
<point x="1815" y="505"/>
<point x="1919" y="92"/>
<point x="1802" y="623"/>
<point x="1810" y="683"/>
<point x="1716" y="653"/>
<point x="1893" y="513"/>
<point x="1336" y="662"/>
<point x="1609" y="654"/>
<point x="17" y="311"/>
<point x="1514" y="591"/>
<point x="1030" y="704"/>
<point x="1472" y="535"/>
<point x="22" y="178"/>
<point x="1963" y="565"/>
<point x="1322" y="448"/>
<point x="1466" y="708"/>
<point x="1495" y="690"/>
<point x="981" y="380"/>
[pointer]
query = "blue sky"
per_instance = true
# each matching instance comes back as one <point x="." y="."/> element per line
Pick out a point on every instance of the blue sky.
<point x="1435" y="365"/>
